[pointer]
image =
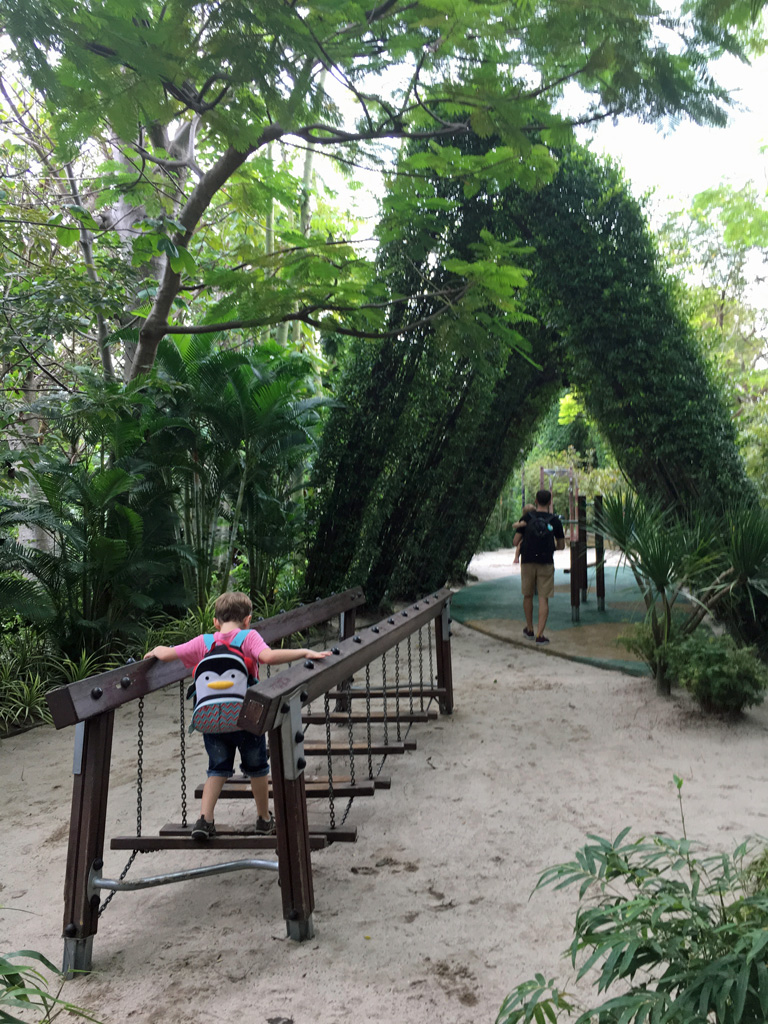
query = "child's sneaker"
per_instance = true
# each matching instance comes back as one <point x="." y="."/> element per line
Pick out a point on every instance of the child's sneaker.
<point x="265" y="826"/>
<point x="203" y="830"/>
<point x="541" y="639"/>
<point x="528" y="632"/>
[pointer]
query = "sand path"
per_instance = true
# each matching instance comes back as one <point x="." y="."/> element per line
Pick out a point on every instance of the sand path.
<point x="427" y="917"/>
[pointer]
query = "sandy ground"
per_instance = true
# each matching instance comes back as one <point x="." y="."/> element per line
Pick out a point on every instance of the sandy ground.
<point x="427" y="917"/>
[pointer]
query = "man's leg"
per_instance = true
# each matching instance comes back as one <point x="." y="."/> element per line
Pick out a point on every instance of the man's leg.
<point x="543" y="614"/>
<point x="528" y="612"/>
<point x="527" y="587"/>
<point x="545" y="578"/>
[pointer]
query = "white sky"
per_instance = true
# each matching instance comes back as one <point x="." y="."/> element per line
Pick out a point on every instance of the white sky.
<point x="672" y="165"/>
<point x="691" y="158"/>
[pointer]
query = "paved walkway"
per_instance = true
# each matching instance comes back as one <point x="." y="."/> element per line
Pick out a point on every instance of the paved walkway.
<point x="494" y="605"/>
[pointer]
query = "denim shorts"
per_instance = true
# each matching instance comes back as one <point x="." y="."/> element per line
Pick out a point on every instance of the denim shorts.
<point x="222" y="747"/>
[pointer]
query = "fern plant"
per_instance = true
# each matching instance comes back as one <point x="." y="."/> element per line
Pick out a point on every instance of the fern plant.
<point x="680" y="936"/>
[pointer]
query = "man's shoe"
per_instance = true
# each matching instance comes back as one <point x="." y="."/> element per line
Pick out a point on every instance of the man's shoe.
<point x="528" y="632"/>
<point x="203" y="830"/>
<point x="265" y="826"/>
<point x="542" y="639"/>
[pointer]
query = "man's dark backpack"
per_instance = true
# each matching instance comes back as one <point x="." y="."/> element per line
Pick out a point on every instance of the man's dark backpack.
<point x="539" y="538"/>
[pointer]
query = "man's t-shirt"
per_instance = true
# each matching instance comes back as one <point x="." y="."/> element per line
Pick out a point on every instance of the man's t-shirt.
<point x="541" y="551"/>
<point x="195" y="650"/>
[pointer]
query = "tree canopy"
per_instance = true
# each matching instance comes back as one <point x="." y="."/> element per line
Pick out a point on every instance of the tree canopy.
<point x="158" y="121"/>
<point x="411" y="464"/>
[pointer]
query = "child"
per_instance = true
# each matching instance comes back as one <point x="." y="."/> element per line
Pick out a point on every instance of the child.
<point x="520" y="526"/>
<point x="232" y="612"/>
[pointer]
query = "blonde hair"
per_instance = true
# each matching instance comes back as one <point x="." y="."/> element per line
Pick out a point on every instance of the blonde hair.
<point x="528" y="508"/>
<point x="233" y="606"/>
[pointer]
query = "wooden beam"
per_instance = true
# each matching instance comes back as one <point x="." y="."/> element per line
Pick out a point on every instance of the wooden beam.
<point x="340" y="834"/>
<point x="315" y="789"/>
<point x="89" y="698"/>
<point x="312" y="679"/>
<point x="320" y="749"/>
<point x="147" y="844"/>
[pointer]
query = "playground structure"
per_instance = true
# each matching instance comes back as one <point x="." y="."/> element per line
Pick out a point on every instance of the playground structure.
<point x="577" y="520"/>
<point x="580" y="566"/>
<point x="281" y="707"/>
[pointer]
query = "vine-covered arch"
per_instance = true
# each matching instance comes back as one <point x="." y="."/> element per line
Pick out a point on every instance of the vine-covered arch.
<point x="429" y="430"/>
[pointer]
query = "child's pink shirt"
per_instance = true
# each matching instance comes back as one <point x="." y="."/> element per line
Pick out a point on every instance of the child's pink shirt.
<point x="195" y="650"/>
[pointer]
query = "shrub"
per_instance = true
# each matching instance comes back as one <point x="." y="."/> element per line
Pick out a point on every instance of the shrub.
<point x="642" y="642"/>
<point x="681" y="938"/>
<point x="719" y="674"/>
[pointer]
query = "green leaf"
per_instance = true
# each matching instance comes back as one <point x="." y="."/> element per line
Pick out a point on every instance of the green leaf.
<point x="166" y="245"/>
<point x="83" y="216"/>
<point x="67" y="236"/>
<point x="183" y="262"/>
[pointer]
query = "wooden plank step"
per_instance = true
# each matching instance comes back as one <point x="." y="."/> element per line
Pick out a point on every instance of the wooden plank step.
<point x="230" y="842"/>
<point x="340" y="834"/>
<point x="341" y="718"/>
<point x="319" y="749"/>
<point x="315" y="790"/>
<point x="377" y="693"/>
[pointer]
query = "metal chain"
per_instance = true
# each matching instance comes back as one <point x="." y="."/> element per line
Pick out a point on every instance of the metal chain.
<point x="410" y="675"/>
<point x="397" y="691"/>
<point x="384" y="688"/>
<point x="139" y="798"/>
<point x="123" y="873"/>
<point x="421" y="669"/>
<point x="368" y="717"/>
<point x="331" y="801"/>
<point x="140" y="767"/>
<point x="183" y="754"/>
<point x="351" y="744"/>
<point x="429" y="641"/>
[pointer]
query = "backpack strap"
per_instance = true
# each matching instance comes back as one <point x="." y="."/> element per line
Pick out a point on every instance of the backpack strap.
<point x="239" y="638"/>
<point x="208" y="641"/>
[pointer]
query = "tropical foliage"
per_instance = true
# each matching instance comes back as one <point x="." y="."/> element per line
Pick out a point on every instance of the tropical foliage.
<point x="176" y="480"/>
<point x="664" y="931"/>
<point x="25" y="979"/>
<point x="721" y="676"/>
<point x="714" y="565"/>
<point x="717" y="250"/>
<point x="431" y="429"/>
<point x="180" y="284"/>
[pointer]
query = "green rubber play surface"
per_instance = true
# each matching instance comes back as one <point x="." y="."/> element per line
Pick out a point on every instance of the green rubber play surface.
<point x="496" y="607"/>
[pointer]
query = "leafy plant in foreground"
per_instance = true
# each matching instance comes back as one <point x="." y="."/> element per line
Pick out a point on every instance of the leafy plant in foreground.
<point x="682" y="936"/>
<point x="24" y="989"/>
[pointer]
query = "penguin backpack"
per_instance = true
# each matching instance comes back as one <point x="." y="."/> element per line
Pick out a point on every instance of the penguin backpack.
<point x="221" y="678"/>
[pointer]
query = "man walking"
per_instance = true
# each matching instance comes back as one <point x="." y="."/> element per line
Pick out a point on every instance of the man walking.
<point x="542" y="536"/>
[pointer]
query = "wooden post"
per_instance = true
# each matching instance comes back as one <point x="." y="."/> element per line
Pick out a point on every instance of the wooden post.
<point x="599" y="555"/>
<point x="582" y="566"/>
<point x="443" y="658"/>
<point x="290" y="802"/>
<point x="346" y="630"/>
<point x="93" y="750"/>
<point x="574" y="577"/>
